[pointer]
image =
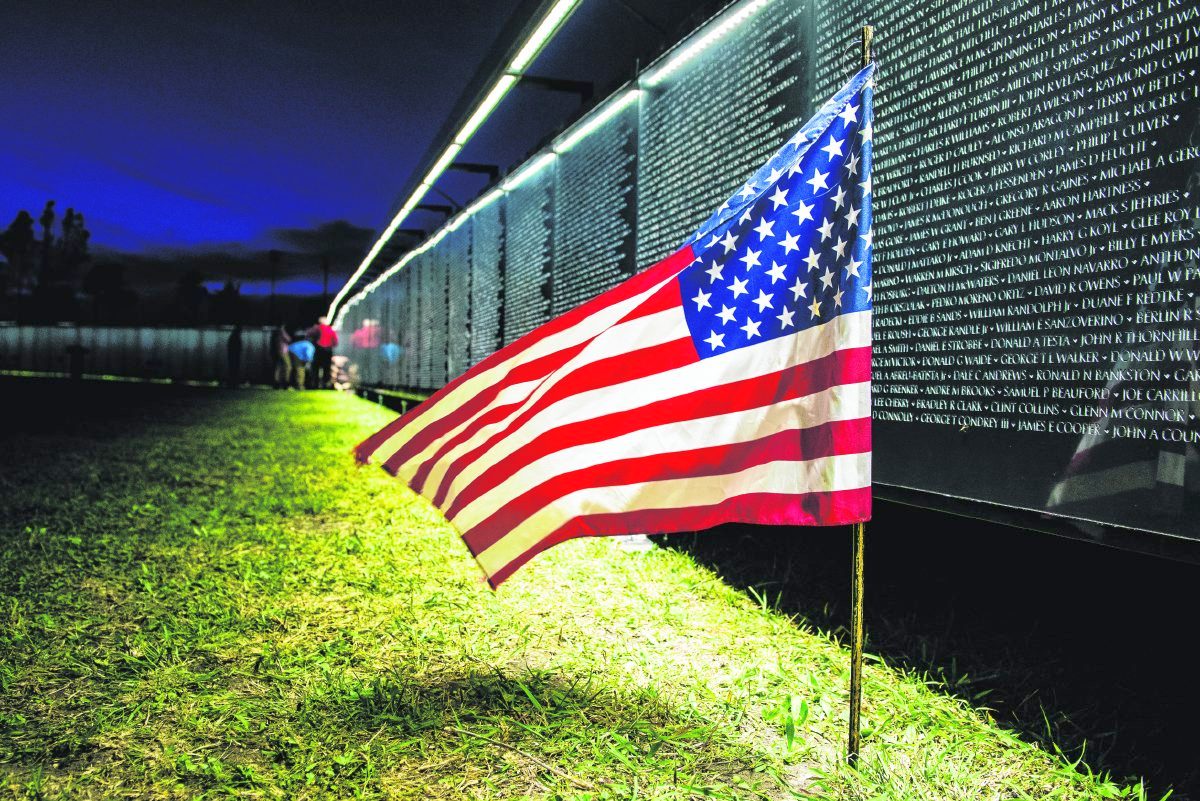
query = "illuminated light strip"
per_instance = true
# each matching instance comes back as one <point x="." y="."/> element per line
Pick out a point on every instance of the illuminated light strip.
<point x="528" y="171"/>
<point x="677" y="60"/>
<point x="543" y="33"/>
<point x="490" y="101"/>
<point x="614" y="106"/>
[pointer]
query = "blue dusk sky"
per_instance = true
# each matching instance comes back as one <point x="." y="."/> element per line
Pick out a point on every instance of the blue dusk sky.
<point x="200" y="134"/>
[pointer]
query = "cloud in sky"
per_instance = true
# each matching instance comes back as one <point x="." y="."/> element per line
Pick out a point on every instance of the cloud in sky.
<point x="297" y="271"/>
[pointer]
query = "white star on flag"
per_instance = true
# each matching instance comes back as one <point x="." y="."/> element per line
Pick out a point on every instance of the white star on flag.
<point x="826" y="278"/>
<point x="763" y="301"/>
<point x="852" y="216"/>
<point x="726" y="314"/>
<point x="751" y="328"/>
<point x="826" y="228"/>
<point x="812" y="259"/>
<point x="867" y="132"/>
<point x="819" y="180"/>
<point x="803" y="212"/>
<point x="779" y="198"/>
<point x="716" y="340"/>
<point x="852" y="267"/>
<point x="738" y="287"/>
<point x="840" y="247"/>
<point x="751" y="258"/>
<point x="798" y="290"/>
<point x="839" y="197"/>
<point x="765" y="228"/>
<point x="834" y="147"/>
<point x="790" y="242"/>
<point x="852" y="164"/>
<point x="785" y="318"/>
<point x="849" y="114"/>
<point x="777" y="270"/>
<point x="815" y="308"/>
<point x="715" y="272"/>
<point x="701" y="299"/>
<point x="729" y="242"/>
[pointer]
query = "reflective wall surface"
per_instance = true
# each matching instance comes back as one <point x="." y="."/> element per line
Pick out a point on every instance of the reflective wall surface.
<point x="1037" y="198"/>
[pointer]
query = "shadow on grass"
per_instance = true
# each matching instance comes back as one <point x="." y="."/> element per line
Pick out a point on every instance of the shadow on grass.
<point x="579" y="729"/>
<point x="1069" y="643"/>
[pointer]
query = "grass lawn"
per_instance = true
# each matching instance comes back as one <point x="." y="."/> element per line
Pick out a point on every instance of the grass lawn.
<point x="201" y="595"/>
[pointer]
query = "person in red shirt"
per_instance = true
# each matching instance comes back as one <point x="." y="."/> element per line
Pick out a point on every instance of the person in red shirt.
<point x="325" y="339"/>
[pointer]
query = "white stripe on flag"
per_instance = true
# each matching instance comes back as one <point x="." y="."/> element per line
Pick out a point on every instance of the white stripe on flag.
<point x="841" y="402"/>
<point x="582" y="331"/>
<point x="846" y="331"/>
<point x="833" y="473"/>
<point x="625" y="338"/>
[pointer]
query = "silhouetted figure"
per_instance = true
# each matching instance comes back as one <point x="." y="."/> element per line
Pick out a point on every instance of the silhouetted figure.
<point x="326" y="339"/>
<point x="75" y="354"/>
<point x="233" y="352"/>
<point x="280" y="339"/>
<point x="300" y="356"/>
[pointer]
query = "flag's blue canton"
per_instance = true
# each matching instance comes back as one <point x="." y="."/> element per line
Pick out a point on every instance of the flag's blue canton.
<point x="799" y="253"/>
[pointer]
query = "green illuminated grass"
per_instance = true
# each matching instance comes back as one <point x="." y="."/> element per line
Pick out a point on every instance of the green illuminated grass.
<point x="201" y="595"/>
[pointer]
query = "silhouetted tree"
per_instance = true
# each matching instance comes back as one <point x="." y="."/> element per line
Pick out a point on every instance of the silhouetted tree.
<point x="112" y="300"/>
<point x="73" y="247"/>
<point x="191" y="297"/>
<point x="47" y="221"/>
<point x="16" y="243"/>
<point x="227" y="304"/>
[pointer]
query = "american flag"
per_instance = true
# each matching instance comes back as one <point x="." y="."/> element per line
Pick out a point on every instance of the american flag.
<point x="729" y="382"/>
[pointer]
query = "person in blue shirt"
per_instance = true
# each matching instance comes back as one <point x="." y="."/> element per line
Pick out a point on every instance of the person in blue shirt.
<point x="300" y="355"/>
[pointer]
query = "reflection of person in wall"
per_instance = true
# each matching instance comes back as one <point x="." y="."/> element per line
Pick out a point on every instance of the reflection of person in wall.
<point x="300" y="355"/>
<point x="368" y="335"/>
<point x="233" y="353"/>
<point x="280" y="339"/>
<point x="325" y="339"/>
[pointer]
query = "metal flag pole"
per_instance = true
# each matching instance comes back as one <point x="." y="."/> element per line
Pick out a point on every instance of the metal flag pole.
<point x="856" y="573"/>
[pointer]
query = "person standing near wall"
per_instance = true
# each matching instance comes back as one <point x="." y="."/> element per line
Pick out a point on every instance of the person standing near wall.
<point x="300" y="356"/>
<point x="325" y="339"/>
<point x="280" y="339"/>
<point x="233" y="353"/>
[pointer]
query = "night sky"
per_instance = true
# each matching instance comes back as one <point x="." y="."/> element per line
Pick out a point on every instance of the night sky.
<point x="201" y="134"/>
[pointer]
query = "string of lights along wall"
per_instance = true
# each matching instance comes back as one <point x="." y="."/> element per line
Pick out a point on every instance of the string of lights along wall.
<point x="1037" y="203"/>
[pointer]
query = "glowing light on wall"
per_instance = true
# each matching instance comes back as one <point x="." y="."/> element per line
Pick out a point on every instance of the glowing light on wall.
<point x="528" y="51"/>
<point x="527" y="171"/>
<point x="692" y="49"/>
<point x="609" y="110"/>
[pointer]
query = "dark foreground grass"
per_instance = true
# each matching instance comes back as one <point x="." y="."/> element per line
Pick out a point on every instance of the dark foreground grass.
<point x="199" y="595"/>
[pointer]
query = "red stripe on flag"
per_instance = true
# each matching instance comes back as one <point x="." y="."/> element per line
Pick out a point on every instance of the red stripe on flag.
<point x="623" y="291"/>
<point x="849" y="366"/>
<point x="835" y="438"/>
<point x="810" y="509"/>
<point x="611" y="371"/>
<point x="529" y="371"/>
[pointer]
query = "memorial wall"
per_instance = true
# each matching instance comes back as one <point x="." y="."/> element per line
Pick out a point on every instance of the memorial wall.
<point x="1037" y="202"/>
